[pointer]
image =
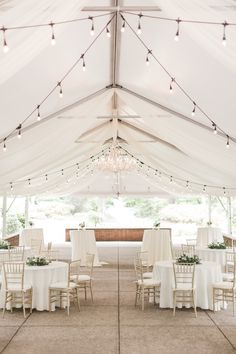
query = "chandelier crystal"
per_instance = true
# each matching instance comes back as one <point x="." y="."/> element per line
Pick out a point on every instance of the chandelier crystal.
<point x="116" y="160"/>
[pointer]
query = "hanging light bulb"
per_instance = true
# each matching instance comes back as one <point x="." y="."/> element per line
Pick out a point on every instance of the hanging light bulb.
<point x="147" y="57"/>
<point x="108" y="32"/>
<point x="224" y="191"/>
<point x="46" y="177"/>
<point x="5" y="46"/>
<point x="60" y="90"/>
<point x="92" y="31"/>
<point x="227" y="144"/>
<point x="62" y="172"/>
<point x="4" y="144"/>
<point x="38" y="114"/>
<point x="11" y="186"/>
<point x="194" y="109"/>
<point x="171" y="87"/>
<point x="214" y="128"/>
<point x="83" y="65"/>
<point x="53" y="39"/>
<point x="224" y="34"/>
<point x="177" y="32"/>
<point x="187" y="184"/>
<point x="29" y="182"/>
<point x="171" y="179"/>
<point x="19" y="131"/>
<point x="123" y="27"/>
<point x="139" y="30"/>
<point x="204" y="188"/>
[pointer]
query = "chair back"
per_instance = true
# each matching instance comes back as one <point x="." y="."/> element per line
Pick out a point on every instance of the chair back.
<point x="16" y="254"/>
<point x="74" y="268"/>
<point x="191" y="241"/>
<point x="138" y="266"/>
<point x="230" y="258"/>
<point x="14" y="275"/>
<point x="35" y="246"/>
<point x="176" y="252"/>
<point x="89" y="262"/>
<point x="189" y="250"/>
<point x="184" y="274"/>
<point x="4" y="257"/>
<point x="143" y="256"/>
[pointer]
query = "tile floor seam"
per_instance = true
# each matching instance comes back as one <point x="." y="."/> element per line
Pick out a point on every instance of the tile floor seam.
<point x="12" y="337"/>
<point x="221" y="331"/>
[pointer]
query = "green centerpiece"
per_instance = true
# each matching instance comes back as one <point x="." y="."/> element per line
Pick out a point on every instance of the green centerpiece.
<point x="4" y="245"/>
<point x="217" y="246"/>
<point x="185" y="259"/>
<point x="37" y="261"/>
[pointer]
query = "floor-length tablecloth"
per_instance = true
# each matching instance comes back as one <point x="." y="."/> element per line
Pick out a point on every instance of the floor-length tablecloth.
<point x="158" y="244"/>
<point x="207" y="235"/>
<point x="83" y="241"/>
<point x="206" y="274"/>
<point x="214" y="255"/>
<point x="40" y="278"/>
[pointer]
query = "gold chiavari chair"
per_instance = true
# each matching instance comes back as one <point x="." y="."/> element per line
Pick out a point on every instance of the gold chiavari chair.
<point x="85" y="279"/>
<point x="189" y="250"/>
<point x="143" y="256"/>
<point x="144" y="286"/>
<point x="35" y="246"/>
<point x="230" y="258"/>
<point x="64" y="291"/>
<point x="184" y="288"/>
<point x="16" y="254"/>
<point x="225" y="291"/>
<point x="16" y="291"/>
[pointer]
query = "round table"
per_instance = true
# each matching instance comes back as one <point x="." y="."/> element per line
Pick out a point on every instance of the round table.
<point x="83" y="242"/>
<point x="157" y="243"/>
<point x="206" y="274"/>
<point x="40" y="278"/>
<point x="207" y="235"/>
<point x="214" y="255"/>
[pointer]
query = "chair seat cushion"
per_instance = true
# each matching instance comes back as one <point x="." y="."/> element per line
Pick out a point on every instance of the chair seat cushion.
<point x="17" y="287"/>
<point x="84" y="277"/>
<point x="149" y="282"/>
<point x="228" y="276"/>
<point x="184" y="287"/>
<point x="148" y="275"/>
<point x="223" y="285"/>
<point x="62" y="285"/>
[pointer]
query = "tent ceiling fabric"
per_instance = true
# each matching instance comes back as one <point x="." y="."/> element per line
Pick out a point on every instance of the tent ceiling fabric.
<point x="118" y="96"/>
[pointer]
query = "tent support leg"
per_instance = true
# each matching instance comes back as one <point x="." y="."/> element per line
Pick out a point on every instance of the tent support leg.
<point x="209" y="209"/>
<point x="26" y="212"/>
<point x="229" y="215"/>
<point x="4" y="216"/>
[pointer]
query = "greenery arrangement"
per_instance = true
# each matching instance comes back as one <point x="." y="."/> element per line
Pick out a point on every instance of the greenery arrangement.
<point x="209" y="223"/>
<point x="82" y="225"/>
<point x="217" y="246"/>
<point x="185" y="259"/>
<point x="4" y="245"/>
<point x="37" y="261"/>
<point x="156" y="224"/>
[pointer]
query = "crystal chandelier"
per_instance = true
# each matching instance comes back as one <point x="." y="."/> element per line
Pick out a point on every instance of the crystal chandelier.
<point x="116" y="160"/>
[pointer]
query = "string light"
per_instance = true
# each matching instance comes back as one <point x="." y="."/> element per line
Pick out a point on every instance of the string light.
<point x="46" y="177"/>
<point x="227" y="144"/>
<point x="177" y="32"/>
<point x="108" y="32"/>
<point x="60" y="90"/>
<point x="38" y="114"/>
<point x="214" y="128"/>
<point x="224" y="191"/>
<point x="139" y="30"/>
<point x="171" y="87"/>
<point x="11" y="186"/>
<point x="19" y="131"/>
<point x="171" y="179"/>
<point x="123" y="27"/>
<point x="147" y="57"/>
<point x="187" y="184"/>
<point x="224" y="34"/>
<point x="62" y="172"/>
<point x="4" y="144"/>
<point x="29" y="182"/>
<point x="5" y="46"/>
<point x="53" y="39"/>
<point x="194" y="109"/>
<point x="92" y="31"/>
<point x="204" y="188"/>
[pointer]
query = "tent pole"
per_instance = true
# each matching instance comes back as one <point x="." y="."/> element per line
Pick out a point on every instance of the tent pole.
<point x="229" y="215"/>
<point x="4" y="216"/>
<point x="209" y="208"/>
<point x="26" y="212"/>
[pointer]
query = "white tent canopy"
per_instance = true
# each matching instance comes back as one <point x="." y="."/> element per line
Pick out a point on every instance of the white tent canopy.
<point x="118" y="98"/>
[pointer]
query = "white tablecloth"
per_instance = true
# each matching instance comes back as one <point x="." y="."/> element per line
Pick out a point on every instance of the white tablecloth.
<point x="83" y="241"/>
<point x="206" y="235"/>
<point x="206" y="274"/>
<point x="30" y="234"/>
<point x="158" y="244"/>
<point x="40" y="278"/>
<point x="213" y="255"/>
